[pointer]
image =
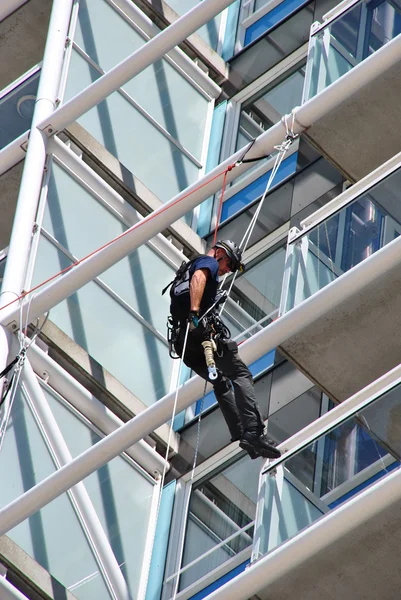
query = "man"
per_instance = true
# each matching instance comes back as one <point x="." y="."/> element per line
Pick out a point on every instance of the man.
<point x="193" y="292"/>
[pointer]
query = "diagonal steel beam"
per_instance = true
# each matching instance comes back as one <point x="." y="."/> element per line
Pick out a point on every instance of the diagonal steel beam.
<point x="142" y="58"/>
<point x="173" y="210"/>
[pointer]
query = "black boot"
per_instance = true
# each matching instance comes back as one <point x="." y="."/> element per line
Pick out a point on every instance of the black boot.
<point x="257" y="444"/>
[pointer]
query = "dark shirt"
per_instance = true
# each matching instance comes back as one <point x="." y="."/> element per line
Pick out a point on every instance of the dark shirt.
<point x="180" y="295"/>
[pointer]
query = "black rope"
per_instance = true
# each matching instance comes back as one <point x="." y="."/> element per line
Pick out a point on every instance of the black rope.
<point x="251" y="143"/>
<point x="250" y="160"/>
<point x="10" y="366"/>
<point x="20" y="356"/>
<point x="244" y="161"/>
<point x="7" y="390"/>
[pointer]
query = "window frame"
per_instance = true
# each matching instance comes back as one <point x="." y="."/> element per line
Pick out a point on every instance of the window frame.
<point x="233" y="114"/>
<point x="186" y="67"/>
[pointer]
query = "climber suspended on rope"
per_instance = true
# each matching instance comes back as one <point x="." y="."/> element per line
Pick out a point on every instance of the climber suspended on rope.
<point x="200" y="338"/>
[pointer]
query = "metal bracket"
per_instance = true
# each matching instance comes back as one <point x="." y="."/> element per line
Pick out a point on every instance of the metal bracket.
<point x="293" y="233"/>
<point x="49" y="130"/>
<point x="24" y="145"/>
<point x="13" y="326"/>
<point x="45" y="376"/>
<point x="315" y="26"/>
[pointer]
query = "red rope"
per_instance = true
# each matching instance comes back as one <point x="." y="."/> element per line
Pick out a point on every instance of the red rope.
<point x="136" y="226"/>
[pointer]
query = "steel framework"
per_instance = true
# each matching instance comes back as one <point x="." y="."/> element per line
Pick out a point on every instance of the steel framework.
<point x="50" y="120"/>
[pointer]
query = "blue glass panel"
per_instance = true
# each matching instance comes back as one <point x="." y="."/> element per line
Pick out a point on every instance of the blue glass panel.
<point x="353" y="36"/>
<point x="270" y="19"/>
<point x="159" y="552"/>
<point x="257" y="187"/>
<point x="263" y="363"/>
<point x="231" y="30"/>
<point x="346" y="238"/>
<point x="213" y="156"/>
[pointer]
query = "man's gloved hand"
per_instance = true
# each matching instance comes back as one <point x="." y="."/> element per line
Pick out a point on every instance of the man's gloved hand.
<point x="193" y="319"/>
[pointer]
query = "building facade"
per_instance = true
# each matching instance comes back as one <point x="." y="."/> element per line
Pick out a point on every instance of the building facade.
<point x="125" y="129"/>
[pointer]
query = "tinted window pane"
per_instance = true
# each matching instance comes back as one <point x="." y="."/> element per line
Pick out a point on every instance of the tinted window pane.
<point x="16" y="110"/>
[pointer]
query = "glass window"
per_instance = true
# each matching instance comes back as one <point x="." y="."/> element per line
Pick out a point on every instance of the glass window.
<point x="272" y="48"/>
<point x="156" y="126"/>
<point x="265" y="108"/>
<point x="210" y="32"/>
<point x="336" y="466"/>
<point x="16" y="109"/>
<point x="108" y="332"/>
<point x="161" y="89"/>
<point x="137" y="279"/>
<point x="53" y="536"/>
<point x="132" y="139"/>
<point x="270" y="19"/>
<point x="349" y="39"/>
<point x="110" y="328"/>
<point x="345" y="238"/>
<point x="295" y="198"/>
<point x="385" y="24"/>
<point x="122" y="494"/>
<point x="258" y="289"/>
<point x="220" y="506"/>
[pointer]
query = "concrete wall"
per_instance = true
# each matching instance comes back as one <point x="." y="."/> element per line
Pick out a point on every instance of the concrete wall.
<point x="22" y="39"/>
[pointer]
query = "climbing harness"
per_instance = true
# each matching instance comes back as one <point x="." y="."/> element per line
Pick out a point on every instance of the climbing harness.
<point x="179" y="275"/>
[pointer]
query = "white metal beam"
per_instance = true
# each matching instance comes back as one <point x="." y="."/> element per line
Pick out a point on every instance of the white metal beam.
<point x="88" y="405"/>
<point x="104" y="556"/>
<point x="24" y="218"/>
<point x="142" y="58"/>
<point x="13" y="153"/>
<point x="170" y="212"/>
<point x="9" y="6"/>
<point x="160" y="412"/>
<point x="261" y="343"/>
<point x="312" y="540"/>
<point x="31" y="182"/>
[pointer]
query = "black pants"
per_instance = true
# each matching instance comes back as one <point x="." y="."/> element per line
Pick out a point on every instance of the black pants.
<point x="237" y="401"/>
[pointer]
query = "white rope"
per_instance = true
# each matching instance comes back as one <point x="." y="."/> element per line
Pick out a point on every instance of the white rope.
<point x="186" y="509"/>
<point x="282" y="150"/>
<point x="24" y="345"/>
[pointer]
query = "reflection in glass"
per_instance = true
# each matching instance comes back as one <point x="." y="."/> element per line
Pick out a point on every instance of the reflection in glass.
<point x="220" y="506"/>
<point x="114" y="320"/>
<point x="121" y="494"/>
<point x="258" y="289"/>
<point x="267" y="107"/>
<point x="345" y="239"/>
<point x="337" y="465"/>
<point x="353" y="36"/>
<point x="44" y="534"/>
